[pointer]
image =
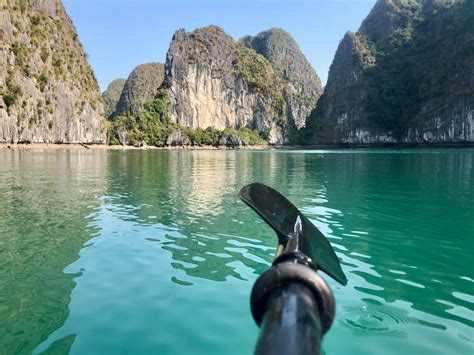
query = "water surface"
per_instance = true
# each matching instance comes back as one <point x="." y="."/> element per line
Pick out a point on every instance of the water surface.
<point x="152" y="252"/>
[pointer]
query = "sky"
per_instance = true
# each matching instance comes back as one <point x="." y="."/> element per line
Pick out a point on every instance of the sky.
<point x="118" y="35"/>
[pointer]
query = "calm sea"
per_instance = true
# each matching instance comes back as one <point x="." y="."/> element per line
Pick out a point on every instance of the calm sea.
<point x="109" y="252"/>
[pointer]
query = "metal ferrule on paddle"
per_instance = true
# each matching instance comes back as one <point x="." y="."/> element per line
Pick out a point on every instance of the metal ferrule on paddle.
<point x="291" y="303"/>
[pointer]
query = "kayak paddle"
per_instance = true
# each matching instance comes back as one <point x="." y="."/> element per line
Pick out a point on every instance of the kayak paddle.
<point x="291" y="303"/>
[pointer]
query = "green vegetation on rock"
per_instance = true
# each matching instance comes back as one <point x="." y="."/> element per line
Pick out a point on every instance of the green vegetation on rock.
<point x="152" y="126"/>
<point x="111" y="96"/>
<point x="300" y="86"/>
<point x="255" y="69"/>
<point x="12" y="93"/>
<point x="50" y="92"/>
<point x="140" y="87"/>
<point x="42" y="81"/>
<point x="249" y="136"/>
<point x="10" y="97"/>
<point x="405" y="76"/>
<point x="262" y="79"/>
<point x="423" y="61"/>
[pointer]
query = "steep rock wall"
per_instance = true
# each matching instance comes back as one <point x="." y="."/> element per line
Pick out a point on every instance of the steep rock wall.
<point x="48" y="90"/>
<point x="213" y="81"/>
<point x="140" y="87"/>
<point x="302" y="85"/>
<point x="405" y="76"/>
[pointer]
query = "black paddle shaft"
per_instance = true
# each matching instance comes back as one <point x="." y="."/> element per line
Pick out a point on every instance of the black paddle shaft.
<point x="291" y="324"/>
<point x="294" y="308"/>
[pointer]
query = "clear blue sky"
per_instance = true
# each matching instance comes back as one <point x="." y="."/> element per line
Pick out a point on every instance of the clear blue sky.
<point x="120" y="34"/>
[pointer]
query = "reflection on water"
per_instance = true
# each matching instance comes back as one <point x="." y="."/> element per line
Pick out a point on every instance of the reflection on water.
<point x="46" y="201"/>
<point x="411" y="228"/>
<point x="89" y="239"/>
<point x="406" y="231"/>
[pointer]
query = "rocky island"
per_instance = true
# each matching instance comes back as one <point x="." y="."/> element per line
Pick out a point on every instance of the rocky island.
<point x="48" y="91"/>
<point x="259" y="89"/>
<point x="406" y="76"/>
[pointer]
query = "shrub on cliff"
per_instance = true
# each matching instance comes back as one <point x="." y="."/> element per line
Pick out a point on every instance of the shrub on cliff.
<point x="150" y="125"/>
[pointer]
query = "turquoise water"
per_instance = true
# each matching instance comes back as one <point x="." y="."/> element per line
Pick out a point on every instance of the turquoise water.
<point x="152" y="252"/>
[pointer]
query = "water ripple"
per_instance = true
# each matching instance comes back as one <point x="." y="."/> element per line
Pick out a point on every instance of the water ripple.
<point x="372" y="320"/>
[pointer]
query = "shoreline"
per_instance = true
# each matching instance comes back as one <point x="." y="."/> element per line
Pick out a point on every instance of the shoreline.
<point x="83" y="146"/>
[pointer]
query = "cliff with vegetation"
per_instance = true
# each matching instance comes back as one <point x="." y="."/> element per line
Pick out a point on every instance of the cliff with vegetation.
<point x="405" y="77"/>
<point x="141" y="87"/>
<point x="48" y="91"/>
<point x="111" y="96"/>
<point x="302" y="86"/>
<point x="213" y="81"/>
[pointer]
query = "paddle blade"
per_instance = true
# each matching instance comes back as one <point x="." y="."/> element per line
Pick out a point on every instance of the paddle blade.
<point x="287" y="221"/>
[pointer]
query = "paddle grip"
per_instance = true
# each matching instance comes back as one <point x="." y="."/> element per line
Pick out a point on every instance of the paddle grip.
<point x="294" y="307"/>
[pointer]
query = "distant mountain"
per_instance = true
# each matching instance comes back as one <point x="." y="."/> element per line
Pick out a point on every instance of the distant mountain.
<point x="48" y="91"/>
<point x="302" y="85"/>
<point x="405" y="76"/>
<point x="111" y="96"/>
<point x="140" y="87"/>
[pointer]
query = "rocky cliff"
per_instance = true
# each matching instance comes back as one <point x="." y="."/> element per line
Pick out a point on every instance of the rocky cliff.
<point x="140" y="87"/>
<point x="263" y="83"/>
<point x="213" y="81"/>
<point x="302" y="85"/>
<point x="406" y="76"/>
<point x="48" y="90"/>
<point x="111" y="96"/>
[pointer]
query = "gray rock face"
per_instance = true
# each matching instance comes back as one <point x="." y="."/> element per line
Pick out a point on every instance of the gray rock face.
<point x="383" y="20"/>
<point x="141" y="144"/>
<point x="111" y="96"/>
<point x="215" y="82"/>
<point x="48" y="90"/>
<point x="340" y="116"/>
<point x="177" y="139"/>
<point x="346" y="69"/>
<point x="46" y="6"/>
<point x="140" y="87"/>
<point x="302" y="85"/>
<point x="123" y="138"/>
<point x="231" y="141"/>
<point x="405" y="76"/>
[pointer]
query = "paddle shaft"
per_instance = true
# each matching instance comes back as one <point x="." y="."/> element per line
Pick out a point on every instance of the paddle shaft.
<point x="291" y="324"/>
<point x="291" y="303"/>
